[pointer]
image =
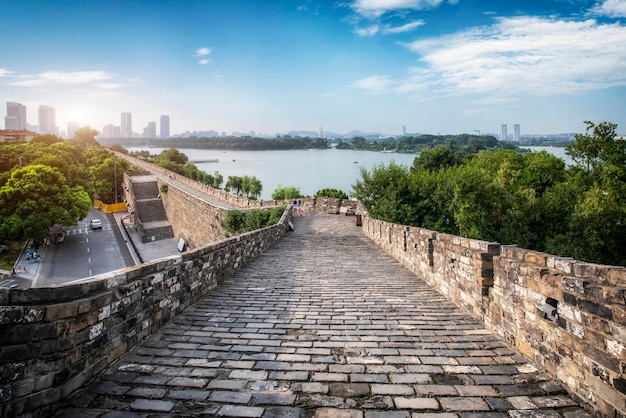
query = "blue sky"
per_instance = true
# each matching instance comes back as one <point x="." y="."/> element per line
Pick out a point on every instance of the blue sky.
<point x="434" y="66"/>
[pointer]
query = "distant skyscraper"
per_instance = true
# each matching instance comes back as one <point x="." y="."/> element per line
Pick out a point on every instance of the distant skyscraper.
<point x="47" y="120"/>
<point x="517" y="132"/>
<point x="127" y="125"/>
<point x="16" y="116"/>
<point x="72" y="127"/>
<point x="108" y="131"/>
<point x="403" y="130"/>
<point x="321" y="132"/>
<point x="165" y="126"/>
<point x="503" y="134"/>
<point x="150" y="130"/>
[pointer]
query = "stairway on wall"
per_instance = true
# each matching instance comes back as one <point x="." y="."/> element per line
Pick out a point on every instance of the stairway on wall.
<point x="153" y="220"/>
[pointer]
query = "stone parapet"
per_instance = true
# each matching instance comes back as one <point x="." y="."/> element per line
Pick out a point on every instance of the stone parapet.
<point x="567" y="316"/>
<point x="55" y="340"/>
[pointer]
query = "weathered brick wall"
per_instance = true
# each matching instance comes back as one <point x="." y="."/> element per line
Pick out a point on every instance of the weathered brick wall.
<point x="196" y="221"/>
<point x="54" y="340"/>
<point x="584" y="343"/>
<point x="514" y="292"/>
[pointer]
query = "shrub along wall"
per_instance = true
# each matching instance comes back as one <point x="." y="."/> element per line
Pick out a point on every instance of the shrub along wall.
<point x="567" y="316"/>
<point x="55" y="340"/>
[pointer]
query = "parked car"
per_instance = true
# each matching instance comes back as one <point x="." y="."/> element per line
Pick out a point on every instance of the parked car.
<point x="95" y="224"/>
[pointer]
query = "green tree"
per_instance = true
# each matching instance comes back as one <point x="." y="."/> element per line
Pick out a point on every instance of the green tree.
<point x="435" y="158"/>
<point x="234" y="184"/>
<point x="286" y="193"/>
<point x="43" y="190"/>
<point x="333" y="193"/>
<point x="251" y="187"/>
<point x="385" y="192"/>
<point x="36" y="227"/>
<point x="85" y="137"/>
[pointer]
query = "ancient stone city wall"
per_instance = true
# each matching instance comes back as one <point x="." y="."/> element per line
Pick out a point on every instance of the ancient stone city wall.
<point x="567" y="316"/>
<point x="54" y="340"/>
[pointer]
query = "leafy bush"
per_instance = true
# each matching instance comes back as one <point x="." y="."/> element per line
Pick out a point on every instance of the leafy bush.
<point x="329" y="192"/>
<point x="285" y="193"/>
<point x="238" y="222"/>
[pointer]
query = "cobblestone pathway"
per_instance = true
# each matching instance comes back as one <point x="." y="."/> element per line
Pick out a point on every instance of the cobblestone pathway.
<point x="324" y="324"/>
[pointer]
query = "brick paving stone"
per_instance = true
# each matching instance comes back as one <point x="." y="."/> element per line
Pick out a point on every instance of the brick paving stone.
<point x="337" y="413"/>
<point x="241" y="411"/>
<point x="464" y="404"/>
<point x="313" y="387"/>
<point x="152" y="405"/>
<point x="521" y="402"/>
<point x="416" y="403"/>
<point x="324" y="324"/>
<point x="410" y="378"/>
<point x="435" y="390"/>
<point x="230" y="397"/>
<point x="469" y="390"/>
<point x="387" y="414"/>
<point x="284" y="412"/>
<point x="188" y="394"/>
<point x="397" y="390"/>
<point x="116" y="414"/>
<point x="147" y="392"/>
<point x="534" y="414"/>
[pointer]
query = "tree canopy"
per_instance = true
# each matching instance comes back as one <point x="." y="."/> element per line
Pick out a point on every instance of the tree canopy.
<point x="50" y="181"/>
<point x="532" y="200"/>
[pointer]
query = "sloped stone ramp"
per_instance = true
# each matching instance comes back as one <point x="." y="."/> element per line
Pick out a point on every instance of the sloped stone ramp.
<point x="324" y="324"/>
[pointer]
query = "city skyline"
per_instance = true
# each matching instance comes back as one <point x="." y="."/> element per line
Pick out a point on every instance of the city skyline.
<point x="432" y="66"/>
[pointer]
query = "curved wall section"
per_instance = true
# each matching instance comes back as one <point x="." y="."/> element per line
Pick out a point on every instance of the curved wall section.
<point x="54" y="340"/>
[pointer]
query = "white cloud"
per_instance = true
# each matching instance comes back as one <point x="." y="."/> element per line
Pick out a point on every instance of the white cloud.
<point x="404" y="28"/>
<point x="4" y="72"/>
<point x="202" y="52"/>
<point x="524" y="55"/>
<point x="376" y="84"/>
<point x="612" y="8"/>
<point x="204" y="61"/>
<point x="376" y="8"/>
<point x="367" y="32"/>
<point x="60" y="78"/>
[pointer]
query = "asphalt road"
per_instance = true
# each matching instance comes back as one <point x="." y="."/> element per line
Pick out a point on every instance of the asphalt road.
<point x="84" y="253"/>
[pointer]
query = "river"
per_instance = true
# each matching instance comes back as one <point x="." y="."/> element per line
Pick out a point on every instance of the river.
<point x="308" y="170"/>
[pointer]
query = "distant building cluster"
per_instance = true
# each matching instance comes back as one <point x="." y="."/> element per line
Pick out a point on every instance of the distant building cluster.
<point x="125" y="128"/>
<point x="16" y="125"/>
<point x="516" y="133"/>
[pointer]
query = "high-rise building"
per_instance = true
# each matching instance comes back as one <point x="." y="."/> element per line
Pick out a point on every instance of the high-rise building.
<point x="16" y="116"/>
<point x="403" y="130"/>
<point x="72" y="127"/>
<point x="150" y="130"/>
<point x="517" y="132"/>
<point x="108" y="131"/>
<point x="127" y="125"/>
<point x="165" y="126"/>
<point x="321" y="134"/>
<point x="47" y="120"/>
<point x="503" y="134"/>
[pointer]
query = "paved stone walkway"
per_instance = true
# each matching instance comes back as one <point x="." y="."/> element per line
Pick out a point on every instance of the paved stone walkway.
<point x="323" y="325"/>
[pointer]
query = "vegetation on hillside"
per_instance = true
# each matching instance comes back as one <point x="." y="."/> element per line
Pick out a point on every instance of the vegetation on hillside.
<point x="532" y="200"/>
<point x="461" y="145"/>
<point x="244" y="143"/>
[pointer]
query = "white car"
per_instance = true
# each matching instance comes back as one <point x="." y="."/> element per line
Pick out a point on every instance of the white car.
<point x="95" y="224"/>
